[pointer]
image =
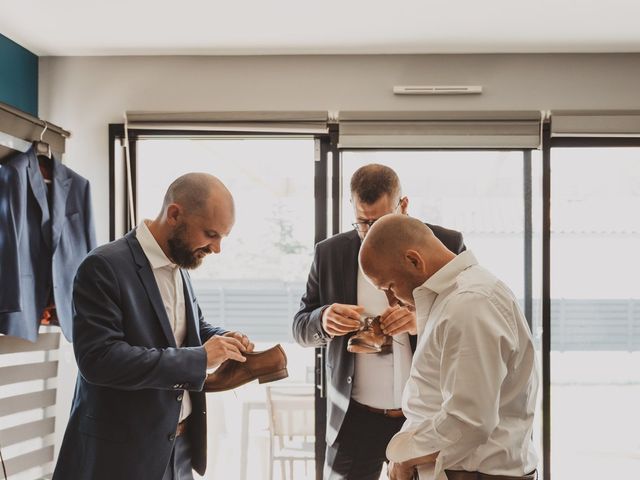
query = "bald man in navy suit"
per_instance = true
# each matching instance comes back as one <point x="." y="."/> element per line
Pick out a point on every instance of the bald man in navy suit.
<point x="143" y="347"/>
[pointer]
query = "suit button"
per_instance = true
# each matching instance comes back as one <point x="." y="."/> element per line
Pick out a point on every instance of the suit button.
<point x="179" y="398"/>
<point x="349" y="379"/>
<point x="172" y="437"/>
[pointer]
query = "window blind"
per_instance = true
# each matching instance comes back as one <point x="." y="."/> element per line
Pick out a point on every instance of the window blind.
<point x="424" y="129"/>
<point x="300" y="122"/>
<point x="605" y="123"/>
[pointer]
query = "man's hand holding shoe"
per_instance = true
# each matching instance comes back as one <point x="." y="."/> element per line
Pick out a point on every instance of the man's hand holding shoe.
<point x="230" y="346"/>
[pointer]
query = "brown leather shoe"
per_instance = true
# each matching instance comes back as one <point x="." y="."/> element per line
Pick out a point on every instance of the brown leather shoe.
<point x="370" y="338"/>
<point x="267" y="366"/>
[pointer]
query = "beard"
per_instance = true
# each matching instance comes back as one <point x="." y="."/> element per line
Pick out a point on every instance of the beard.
<point x="180" y="252"/>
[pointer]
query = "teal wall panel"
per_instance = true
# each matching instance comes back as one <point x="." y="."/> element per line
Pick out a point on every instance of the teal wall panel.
<point x="18" y="76"/>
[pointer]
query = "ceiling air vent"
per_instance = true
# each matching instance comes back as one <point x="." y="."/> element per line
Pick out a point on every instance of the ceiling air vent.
<point x="437" y="89"/>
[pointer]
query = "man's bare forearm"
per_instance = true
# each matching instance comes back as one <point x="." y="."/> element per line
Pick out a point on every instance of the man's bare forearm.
<point x="414" y="462"/>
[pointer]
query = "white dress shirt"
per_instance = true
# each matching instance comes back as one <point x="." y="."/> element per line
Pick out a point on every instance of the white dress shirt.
<point x="379" y="379"/>
<point x="169" y="280"/>
<point x="472" y="389"/>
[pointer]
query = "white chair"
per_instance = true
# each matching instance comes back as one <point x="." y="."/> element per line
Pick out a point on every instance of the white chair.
<point x="292" y="427"/>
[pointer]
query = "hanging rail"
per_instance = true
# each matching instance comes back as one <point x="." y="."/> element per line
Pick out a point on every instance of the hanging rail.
<point x="18" y="129"/>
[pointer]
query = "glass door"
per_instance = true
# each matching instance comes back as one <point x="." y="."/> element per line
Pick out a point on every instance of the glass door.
<point x="492" y="197"/>
<point x="595" y="313"/>
<point x="255" y="284"/>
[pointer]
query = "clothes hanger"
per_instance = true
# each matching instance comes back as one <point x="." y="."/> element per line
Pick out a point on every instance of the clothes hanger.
<point x="43" y="151"/>
<point x="42" y="147"/>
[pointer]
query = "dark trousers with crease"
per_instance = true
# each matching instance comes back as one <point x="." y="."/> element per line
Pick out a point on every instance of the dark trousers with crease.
<point x="359" y="451"/>
<point x="179" y="467"/>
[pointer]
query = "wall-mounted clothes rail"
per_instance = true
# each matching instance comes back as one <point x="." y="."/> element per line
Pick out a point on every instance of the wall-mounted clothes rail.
<point x="14" y="143"/>
<point x="19" y="129"/>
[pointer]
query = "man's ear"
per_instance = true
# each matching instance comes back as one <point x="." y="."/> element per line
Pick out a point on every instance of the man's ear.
<point x="415" y="259"/>
<point x="173" y="213"/>
<point x="404" y="205"/>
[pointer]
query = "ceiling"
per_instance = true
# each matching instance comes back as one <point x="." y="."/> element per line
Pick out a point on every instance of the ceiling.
<point x="260" y="27"/>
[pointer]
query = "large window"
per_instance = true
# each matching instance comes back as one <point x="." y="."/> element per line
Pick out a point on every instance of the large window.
<point x="495" y="198"/>
<point x="492" y="197"/>
<point x="595" y="313"/>
<point x="255" y="284"/>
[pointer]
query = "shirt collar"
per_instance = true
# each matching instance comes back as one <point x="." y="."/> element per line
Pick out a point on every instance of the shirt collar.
<point x="446" y="276"/>
<point x="151" y="248"/>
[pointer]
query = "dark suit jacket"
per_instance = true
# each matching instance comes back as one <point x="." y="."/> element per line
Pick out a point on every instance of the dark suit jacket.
<point x="334" y="279"/>
<point x="42" y="248"/>
<point x="131" y="375"/>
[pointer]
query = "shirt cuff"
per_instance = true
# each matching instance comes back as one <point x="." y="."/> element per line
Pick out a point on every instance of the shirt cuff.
<point x="323" y="333"/>
<point x="421" y="440"/>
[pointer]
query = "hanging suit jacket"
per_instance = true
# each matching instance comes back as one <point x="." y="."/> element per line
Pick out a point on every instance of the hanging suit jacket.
<point x="131" y="376"/>
<point x="334" y="279"/>
<point x="41" y="243"/>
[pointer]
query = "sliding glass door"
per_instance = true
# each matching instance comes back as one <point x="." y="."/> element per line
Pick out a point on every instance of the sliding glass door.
<point x="492" y="197"/>
<point x="495" y="198"/>
<point x="595" y="313"/>
<point x="254" y="285"/>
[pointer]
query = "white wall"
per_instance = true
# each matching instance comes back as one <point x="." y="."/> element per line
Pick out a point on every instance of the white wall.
<point x="84" y="95"/>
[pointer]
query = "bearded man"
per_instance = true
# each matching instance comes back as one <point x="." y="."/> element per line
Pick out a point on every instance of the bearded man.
<point x="143" y="347"/>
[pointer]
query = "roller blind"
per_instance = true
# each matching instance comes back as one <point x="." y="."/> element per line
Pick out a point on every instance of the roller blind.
<point x="605" y="123"/>
<point x="439" y="129"/>
<point x="252" y="122"/>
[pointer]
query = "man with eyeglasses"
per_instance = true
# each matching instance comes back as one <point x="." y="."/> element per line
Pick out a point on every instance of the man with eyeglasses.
<point x="363" y="390"/>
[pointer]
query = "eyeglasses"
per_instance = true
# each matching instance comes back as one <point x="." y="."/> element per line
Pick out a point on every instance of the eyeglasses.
<point x="363" y="226"/>
<point x="366" y="225"/>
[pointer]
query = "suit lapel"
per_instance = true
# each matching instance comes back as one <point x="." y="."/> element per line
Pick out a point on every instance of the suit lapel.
<point x="350" y="266"/>
<point x="36" y="182"/>
<point x="150" y="285"/>
<point x="191" y="312"/>
<point x="61" y="185"/>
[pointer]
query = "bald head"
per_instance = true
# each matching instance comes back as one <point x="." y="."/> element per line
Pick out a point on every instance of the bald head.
<point x="391" y="236"/>
<point x="197" y="213"/>
<point x="400" y="253"/>
<point x="195" y="191"/>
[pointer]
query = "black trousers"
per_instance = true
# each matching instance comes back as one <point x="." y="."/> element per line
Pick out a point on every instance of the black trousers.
<point x="179" y="467"/>
<point x="359" y="451"/>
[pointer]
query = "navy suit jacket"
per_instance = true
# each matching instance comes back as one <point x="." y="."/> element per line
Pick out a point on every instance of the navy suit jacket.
<point x="131" y="377"/>
<point x="41" y="246"/>
<point x="334" y="279"/>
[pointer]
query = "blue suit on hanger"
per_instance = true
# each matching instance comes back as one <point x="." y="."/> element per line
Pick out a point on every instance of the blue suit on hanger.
<point x="42" y="243"/>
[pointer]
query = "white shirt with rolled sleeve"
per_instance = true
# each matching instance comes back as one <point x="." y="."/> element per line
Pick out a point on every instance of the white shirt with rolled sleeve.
<point x="472" y="388"/>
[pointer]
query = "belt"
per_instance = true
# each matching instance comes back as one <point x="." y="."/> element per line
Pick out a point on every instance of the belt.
<point x="387" y="412"/>
<point x="463" y="475"/>
<point x="182" y="427"/>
